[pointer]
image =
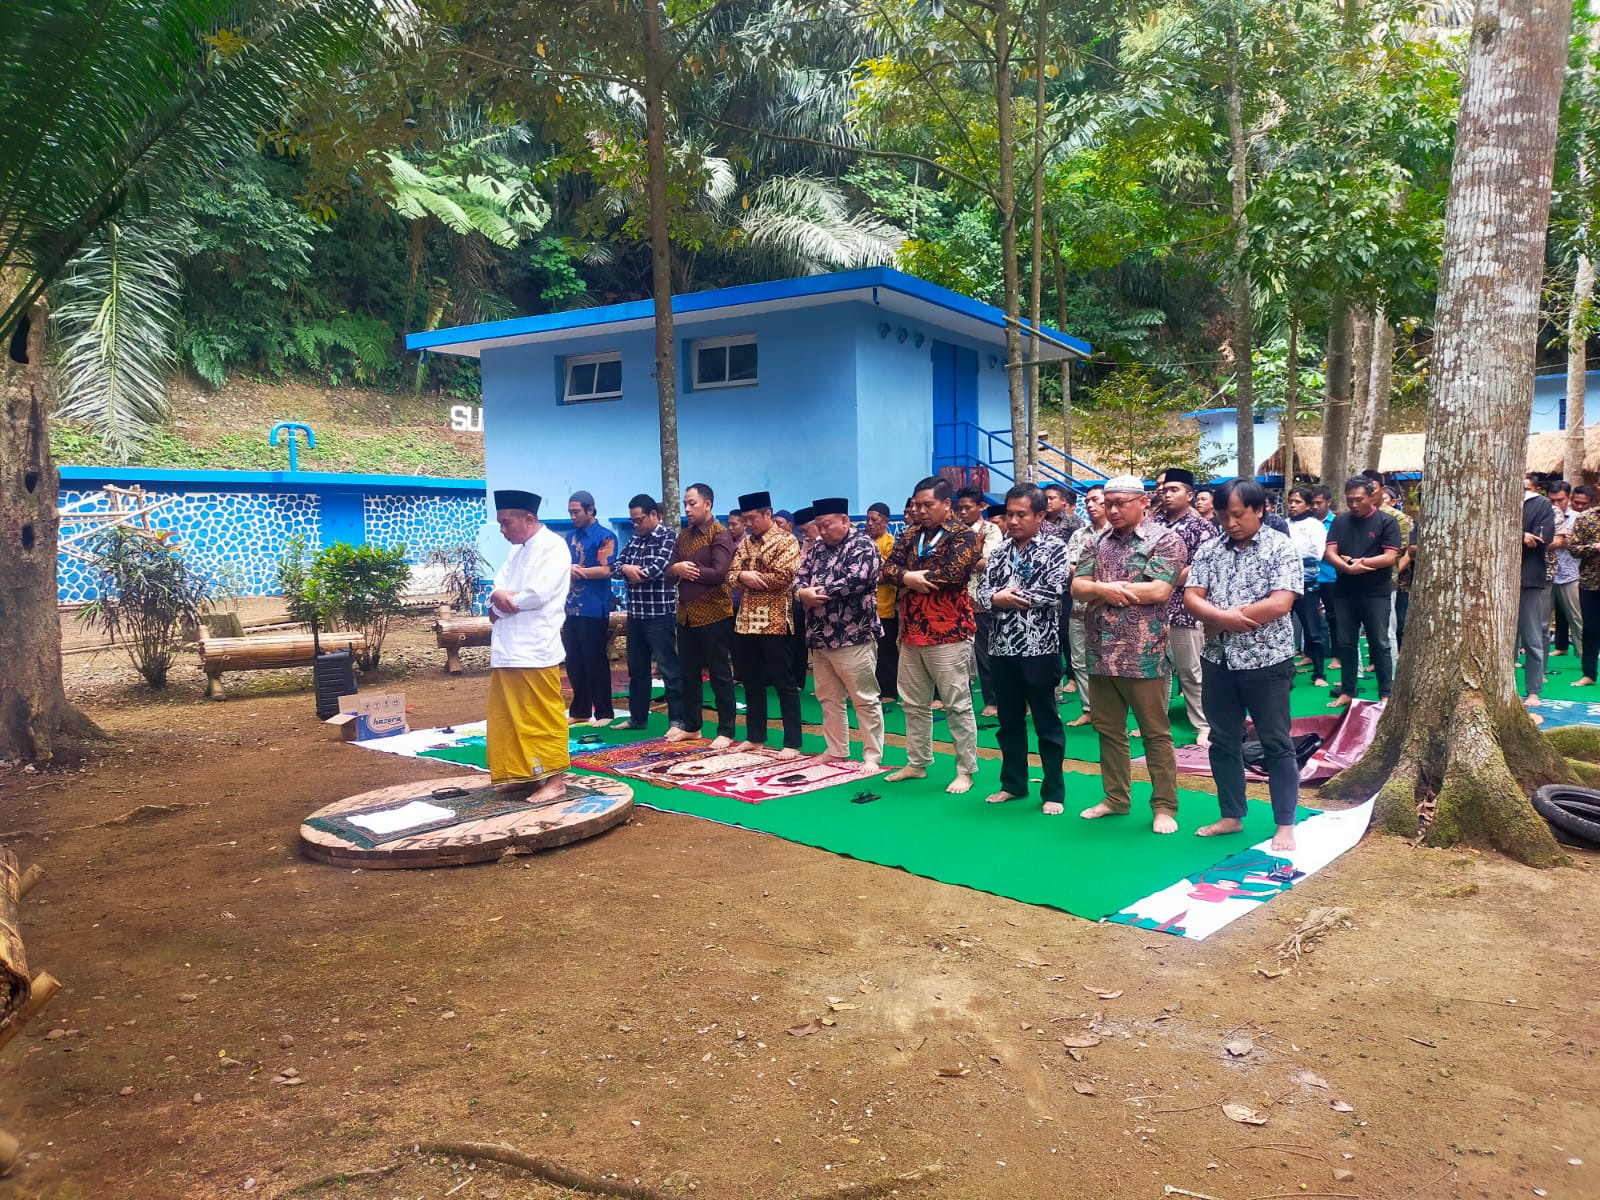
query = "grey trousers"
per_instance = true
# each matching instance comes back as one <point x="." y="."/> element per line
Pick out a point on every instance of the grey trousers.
<point x="1078" y="642"/>
<point x="945" y="668"/>
<point x="1533" y="634"/>
<point x="850" y="672"/>
<point x="1566" y="598"/>
<point x="1183" y="647"/>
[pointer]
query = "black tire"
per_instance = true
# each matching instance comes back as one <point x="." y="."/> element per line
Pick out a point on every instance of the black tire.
<point x="1572" y="812"/>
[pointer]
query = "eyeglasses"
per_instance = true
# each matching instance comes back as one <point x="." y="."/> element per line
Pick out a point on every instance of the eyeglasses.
<point x="1109" y="503"/>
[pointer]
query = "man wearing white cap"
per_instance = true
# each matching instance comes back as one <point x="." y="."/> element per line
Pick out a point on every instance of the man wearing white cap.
<point x="1126" y="579"/>
<point x="527" y="734"/>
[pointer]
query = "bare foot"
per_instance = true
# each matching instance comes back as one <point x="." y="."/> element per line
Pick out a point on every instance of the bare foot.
<point x="1100" y="810"/>
<point x="905" y="773"/>
<point x="787" y="753"/>
<point x="1053" y="808"/>
<point x="1536" y="718"/>
<point x="1558" y="654"/>
<point x="828" y="756"/>
<point x="1081" y="719"/>
<point x="1532" y="700"/>
<point x="1339" y="702"/>
<point x="679" y="735"/>
<point x="999" y="797"/>
<point x="871" y="764"/>
<point x="989" y="710"/>
<point x="1283" y="839"/>
<point x="552" y="788"/>
<point x="747" y="744"/>
<point x="1333" y="664"/>
<point x="1070" y="688"/>
<point x="1164" y="823"/>
<point x="1584" y="682"/>
<point x="1217" y="828"/>
<point x="961" y="783"/>
<point x="599" y="722"/>
<point x="515" y="786"/>
<point x="721" y="743"/>
<point x="937" y="704"/>
<point x="1319" y="683"/>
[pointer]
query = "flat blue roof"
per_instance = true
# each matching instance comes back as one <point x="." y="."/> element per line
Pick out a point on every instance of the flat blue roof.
<point x="881" y="286"/>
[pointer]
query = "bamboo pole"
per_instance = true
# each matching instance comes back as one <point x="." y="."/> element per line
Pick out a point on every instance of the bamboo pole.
<point x="13" y="959"/>
<point x="40" y="993"/>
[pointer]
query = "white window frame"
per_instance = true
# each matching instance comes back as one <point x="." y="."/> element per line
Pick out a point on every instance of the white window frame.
<point x="583" y="360"/>
<point x="713" y="343"/>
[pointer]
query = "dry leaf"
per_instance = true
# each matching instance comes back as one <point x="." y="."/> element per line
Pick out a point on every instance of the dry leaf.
<point x="1083" y="1089"/>
<point x="835" y="999"/>
<point x="1075" y="1055"/>
<point x="829" y="1021"/>
<point x="1082" y="1041"/>
<point x="840" y="1005"/>
<point x="1310" y="1080"/>
<point x="1239" y="1047"/>
<point x="955" y="1072"/>
<point x="1102" y="992"/>
<point x="1175" y="1006"/>
<point x="805" y="1030"/>
<point x="1266" y="974"/>
<point x="1341" y="1106"/>
<point x="1243" y="1115"/>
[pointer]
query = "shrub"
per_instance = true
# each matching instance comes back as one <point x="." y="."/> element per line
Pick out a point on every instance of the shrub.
<point x="148" y="597"/>
<point x="464" y="567"/>
<point x="360" y="587"/>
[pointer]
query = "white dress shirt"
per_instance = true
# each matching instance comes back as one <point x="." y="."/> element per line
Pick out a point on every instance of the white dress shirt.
<point x="1310" y="537"/>
<point x="538" y="574"/>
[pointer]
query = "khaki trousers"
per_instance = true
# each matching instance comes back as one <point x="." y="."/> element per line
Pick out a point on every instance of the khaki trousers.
<point x="1077" y="644"/>
<point x="1113" y="696"/>
<point x="849" y="671"/>
<point x="923" y="669"/>
<point x="1183" y="647"/>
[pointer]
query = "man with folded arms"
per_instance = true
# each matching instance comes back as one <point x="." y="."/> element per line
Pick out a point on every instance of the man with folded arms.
<point x="705" y="616"/>
<point x="888" y="607"/>
<point x="931" y="564"/>
<point x="763" y="568"/>
<point x="1021" y="587"/>
<point x="837" y="585"/>
<point x="527" y="731"/>
<point x="1126" y="579"/>
<point x="652" y="612"/>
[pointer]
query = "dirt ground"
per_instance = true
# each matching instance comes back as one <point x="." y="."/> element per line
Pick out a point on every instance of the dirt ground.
<point x="620" y="1007"/>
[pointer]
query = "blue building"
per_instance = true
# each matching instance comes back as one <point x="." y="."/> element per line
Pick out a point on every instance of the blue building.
<point x="852" y="384"/>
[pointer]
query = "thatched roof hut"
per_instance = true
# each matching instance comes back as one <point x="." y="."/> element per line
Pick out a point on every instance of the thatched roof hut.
<point x="1402" y="454"/>
<point x="1547" y="451"/>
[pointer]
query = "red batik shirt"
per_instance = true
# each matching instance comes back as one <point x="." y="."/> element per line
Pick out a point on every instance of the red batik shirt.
<point x="949" y="555"/>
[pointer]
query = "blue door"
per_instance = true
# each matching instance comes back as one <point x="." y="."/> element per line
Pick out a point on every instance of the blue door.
<point x="955" y="406"/>
<point x="343" y="518"/>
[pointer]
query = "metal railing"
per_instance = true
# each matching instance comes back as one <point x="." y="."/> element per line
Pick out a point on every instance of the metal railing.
<point x="963" y="444"/>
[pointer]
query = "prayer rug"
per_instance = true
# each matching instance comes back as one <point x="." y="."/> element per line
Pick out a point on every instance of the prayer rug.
<point x="1556" y="714"/>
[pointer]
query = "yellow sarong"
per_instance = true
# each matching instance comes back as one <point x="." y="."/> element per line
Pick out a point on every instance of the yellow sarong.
<point x="527" y="736"/>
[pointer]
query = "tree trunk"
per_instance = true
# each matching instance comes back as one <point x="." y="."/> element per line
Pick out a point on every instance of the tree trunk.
<point x="34" y="713"/>
<point x="656" y="69"/>
<point x="1036" y="277"/>
<point x="1291" y="399"/>
<point x="1066" y="363"/>
<point x="1379" y="386"/>
<point x="1357" y="450"/>
<point x="1243" y="317"/>
<point x="1336" y="401"/>
<point x="1456" y="752"/>
<point x="1015" y="380"/>
<point x="1578" y="364"/>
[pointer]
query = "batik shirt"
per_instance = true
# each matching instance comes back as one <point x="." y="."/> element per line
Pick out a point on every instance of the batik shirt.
<point x="1233" y="575"/>
<point x="1131" y="642"/>
<point x="848" y="576"/>
<point x="1039" y="571"/>
<point x="1195" y="531"/>
<point x="1078" y="545"/>
<point x="1585" y="545"/>
<point x="654" y="595"/>
<point x="1566" y="564"/>
<point x="706" y="600"/>
<point x="776" y="555"/>
<point x="592" y="546"/>
<point x="949" y="554"/>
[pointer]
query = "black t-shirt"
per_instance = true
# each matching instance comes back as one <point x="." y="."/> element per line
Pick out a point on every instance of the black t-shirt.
<point x="1364" y="537"/>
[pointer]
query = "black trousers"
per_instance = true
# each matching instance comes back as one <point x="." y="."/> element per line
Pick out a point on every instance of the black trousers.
<point x="707" y="649"/>
<point x="1329" y="617"/>
<point x="1589" y="606"/>
<point x="980" y="646"/>
<point x="657" y="638"/>
<point x="889" y="659"/>
<point x="1355" y="614"/>
<point x="1066" y="674"/>
<point x="799" y="655"/>
<point x="1025" y="684"/>
<point x="1308" y="611"/>
<point x="766" y="660"/>
<point x="587" y="667"/>
<point x="1263" y="694"/>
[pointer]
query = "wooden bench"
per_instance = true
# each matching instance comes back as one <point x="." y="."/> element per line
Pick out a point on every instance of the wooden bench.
<point x="265" y="652"/>
<point x="452" y="633"/>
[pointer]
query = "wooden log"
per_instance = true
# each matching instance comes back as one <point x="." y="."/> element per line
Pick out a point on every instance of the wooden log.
<point x="40" y="992"/>
<point x="13" y="960"/>
<point x="452" y="633"/>
<point x="10" y="1151"/>
<point x="265" y="651"/>
<point x="30" y="877"/>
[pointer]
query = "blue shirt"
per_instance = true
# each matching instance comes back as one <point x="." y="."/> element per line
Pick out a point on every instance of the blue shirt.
<point x="592" y="546"/>
<point x="1325" y="573"/>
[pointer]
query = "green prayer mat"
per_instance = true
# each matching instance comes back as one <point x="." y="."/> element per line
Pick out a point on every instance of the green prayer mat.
<point x="1088" y="868"/>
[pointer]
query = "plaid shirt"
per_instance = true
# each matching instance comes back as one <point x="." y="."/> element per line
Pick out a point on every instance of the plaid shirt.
<point x="653" y="596"/>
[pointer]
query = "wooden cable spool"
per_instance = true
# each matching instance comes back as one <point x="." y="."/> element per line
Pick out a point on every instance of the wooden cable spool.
<point x="14" y="986"/>
<point x="266" y="651"/>
<point x="452" y="633"/>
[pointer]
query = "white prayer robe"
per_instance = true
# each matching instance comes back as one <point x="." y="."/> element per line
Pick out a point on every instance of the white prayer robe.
<point x="538" y="574"/>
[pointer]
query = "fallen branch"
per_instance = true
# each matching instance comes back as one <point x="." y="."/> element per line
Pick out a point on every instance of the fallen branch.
<point x="1196" y="1108"/>
<point x="322" y="1181"/>
<point x="1169" y="1190"/>
<point x="1421" y="1187"/>
<point x="1285" y="1148"/>
<point x="553" y="1173"/>
<point x="877" y="1187"/>
<point x="1286" y="1195"/>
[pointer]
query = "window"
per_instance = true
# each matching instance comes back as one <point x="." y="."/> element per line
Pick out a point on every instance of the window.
<point x="725" y="362"/>
<point x="594" y="377"/>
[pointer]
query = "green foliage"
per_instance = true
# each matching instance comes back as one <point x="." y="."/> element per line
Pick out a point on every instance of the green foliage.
<point x="344" y="586"/>
<point x="148" y="597"/>
<point x="293" y="577"/>
<point x="1130" y="423"/>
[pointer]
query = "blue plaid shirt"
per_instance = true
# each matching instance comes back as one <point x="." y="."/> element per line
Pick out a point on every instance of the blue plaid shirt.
<point x="654" y="595"/>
